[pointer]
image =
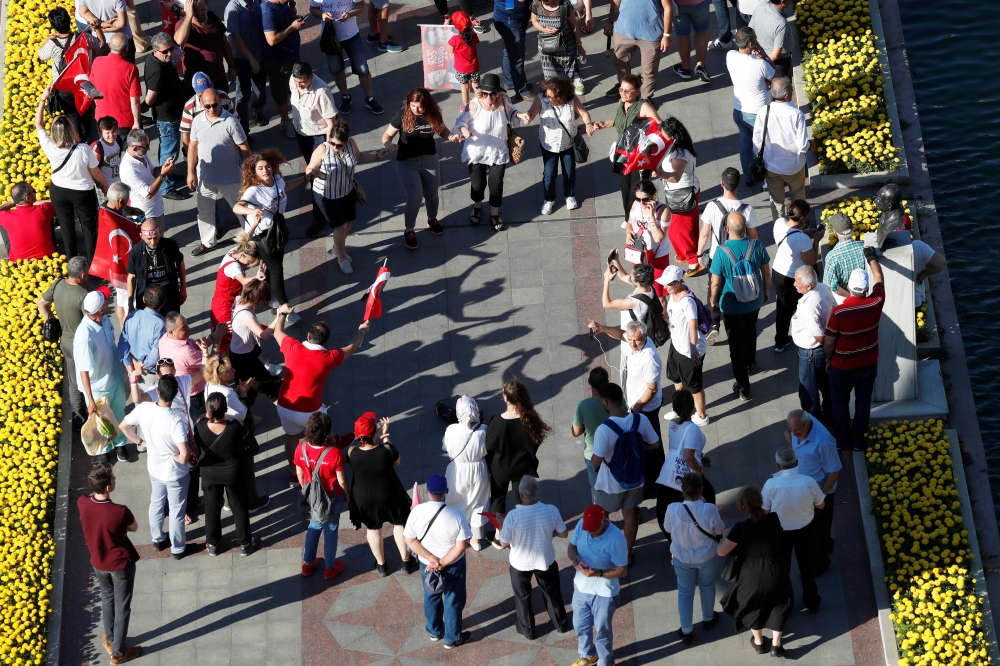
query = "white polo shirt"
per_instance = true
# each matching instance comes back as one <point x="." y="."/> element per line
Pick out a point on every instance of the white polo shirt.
<point x="793" y="496"/>
<point x="811" y="316"/>
<point x="641" y="368"/>
<point x="528" y="529"/>
<point x="448" y="528"/>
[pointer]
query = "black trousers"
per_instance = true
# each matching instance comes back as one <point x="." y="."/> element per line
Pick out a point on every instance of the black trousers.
<point x="548" y="583"/>
<point x="191" y="508"/>
<point x="667" y="496"/>
<point x="491" y="175"/>
<point x="741" y="330"/>
<point x="238" y="502"/>
<point x="498" y="491"/>
<point x="787" y="300"/>
<point x="70" y="204"/>
<point x="116" y="604"/>
<point x="823" y="523"/>
<point x="249" y="365"/>
<point x="628" y="182"/>
<point x="804" y="542"/>
<point x="275" y="263"/>
<point x="246" y="81"/>
<point x="466" y="6"/>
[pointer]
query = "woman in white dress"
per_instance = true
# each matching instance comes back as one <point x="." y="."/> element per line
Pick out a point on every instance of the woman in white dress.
<point x="467" y="474"/>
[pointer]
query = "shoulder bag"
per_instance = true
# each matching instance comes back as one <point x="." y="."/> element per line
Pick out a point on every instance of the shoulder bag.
<point x="681" y="199"/>
<point x="274" y="239"/>
<point x="553" y="45"/>
<point x="757" y="170"/>
<point x="68" y="156"/>
<point x="52" y="328"/>
<point x="581" y="151"/>
<point x="515" y="144"/>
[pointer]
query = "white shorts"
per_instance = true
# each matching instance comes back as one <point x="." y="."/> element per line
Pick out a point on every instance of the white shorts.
<point x="294" y="423"/>
<point x="121" y="298"/>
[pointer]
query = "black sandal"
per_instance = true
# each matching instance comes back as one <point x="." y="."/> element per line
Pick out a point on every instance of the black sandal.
<point x="496" y="222"/>
<point x="477" y="215"/>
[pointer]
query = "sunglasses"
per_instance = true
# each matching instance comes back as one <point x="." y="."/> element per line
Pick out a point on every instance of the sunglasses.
<point x="212" y="106"/>
<point x="167" y="51"/>
<point x="643" y="200"/>
<point x="338" y="146"/>
<point x="165" y="361"/>
<point x="626" y="91"/>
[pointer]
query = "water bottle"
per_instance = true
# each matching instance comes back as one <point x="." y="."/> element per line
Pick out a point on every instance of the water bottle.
<point x="582" y="58"/>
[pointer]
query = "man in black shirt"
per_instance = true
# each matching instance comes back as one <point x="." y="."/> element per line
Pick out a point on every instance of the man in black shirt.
<point x="166" y="93"/>
<point x="156" y="260"/>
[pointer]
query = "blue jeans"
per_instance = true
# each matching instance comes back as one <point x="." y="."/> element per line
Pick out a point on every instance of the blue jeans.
<point x="170" y="146"/>
<point x="355" y="49"/>
<point x="813" y="383"/>
<point x="593" y="613"/>
<point x="550" y="170"/>
<point x="722" y="15"/>
<point x="689" y="576"/>
<point x="691" y="17"/>
<point x="862" y="381"/>
<point x="172" y="494"/>
<point x="444" y="611"/>
<point x="513" y="34"/>
<point x="592" y="478"/>
<point x="332" y="529"/>
<point x="744" y="123"/>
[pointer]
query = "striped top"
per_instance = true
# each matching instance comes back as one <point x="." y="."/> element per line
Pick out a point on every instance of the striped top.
<point x="854" y="324"/>
<point x="336" y="178"/>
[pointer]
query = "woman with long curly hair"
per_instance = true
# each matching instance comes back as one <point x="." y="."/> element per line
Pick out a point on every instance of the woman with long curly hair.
<point x="417" y="123"/>
<point x="262" y="202"/>
<point x="512" y="440"/>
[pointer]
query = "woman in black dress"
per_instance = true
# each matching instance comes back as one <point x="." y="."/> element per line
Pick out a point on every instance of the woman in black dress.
<point x="222" y="468"/>
<point x="512" y="439"/>
<point x="379" y="496"/>
<point x="761" y="598"/>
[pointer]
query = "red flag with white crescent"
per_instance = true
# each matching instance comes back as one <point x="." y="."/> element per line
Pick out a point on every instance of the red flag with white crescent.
<point x="373" y="308"/>
<point x="75" y="78"/>
<point x="115" y="237"/>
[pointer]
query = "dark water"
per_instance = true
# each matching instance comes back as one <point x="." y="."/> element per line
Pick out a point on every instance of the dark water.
<point x="953" y="49"/>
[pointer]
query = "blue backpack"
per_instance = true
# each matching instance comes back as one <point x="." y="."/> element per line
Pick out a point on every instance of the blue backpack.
<point x="628" y="462"/>
<point x="745" y="283"/>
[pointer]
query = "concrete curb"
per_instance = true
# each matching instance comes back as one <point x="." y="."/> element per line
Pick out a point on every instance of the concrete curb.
<point x="60" y="530"/>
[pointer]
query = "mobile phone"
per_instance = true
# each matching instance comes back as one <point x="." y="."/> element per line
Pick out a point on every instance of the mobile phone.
<point x="302" y="18"/>
<point x="612" y="255"/>
<point x="583" y="566"/>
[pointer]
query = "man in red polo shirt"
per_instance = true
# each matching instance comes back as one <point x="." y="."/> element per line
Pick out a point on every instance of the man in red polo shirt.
<point x="28" y="225"/>
<point x="118" y="81"/>
<point x="851" y="348"/>
<point x="307" y="366"/>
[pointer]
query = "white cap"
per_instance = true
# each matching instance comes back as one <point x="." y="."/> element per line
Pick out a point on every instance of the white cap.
<point x="670" y="274"/>
<point x="858" y="283"/>
<point x="93" y="302"/>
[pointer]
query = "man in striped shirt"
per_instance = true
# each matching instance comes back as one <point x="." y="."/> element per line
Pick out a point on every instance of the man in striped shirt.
<point x="851" y="348"/>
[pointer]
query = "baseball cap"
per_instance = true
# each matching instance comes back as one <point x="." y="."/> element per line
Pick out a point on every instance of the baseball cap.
<point x="841" y="224"/>
<point x="365" y="425"/>
<point x="460" y="20"/>
<point x="670" y="274"/>
<point x="437" y="485"/>
<point x="858" y="282"/>
<point x="201" y="82"/>
<point x="93" y="302"/>
<point x="593" y="517"/>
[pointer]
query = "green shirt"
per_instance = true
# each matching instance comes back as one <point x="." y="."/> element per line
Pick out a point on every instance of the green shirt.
<point x="589" y="415"/>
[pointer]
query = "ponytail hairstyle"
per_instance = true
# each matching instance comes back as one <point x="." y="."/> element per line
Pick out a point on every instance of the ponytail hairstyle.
<point x="215" y="367"/>
<point x="749" y="500"/>
<point x="519" y="398"/>
<point x="216" y="406"/>
<point x="675" y="130"/>
<point x="432" y="112"/>
<point x="246" y="246"/>
<point x="798" y="211"/>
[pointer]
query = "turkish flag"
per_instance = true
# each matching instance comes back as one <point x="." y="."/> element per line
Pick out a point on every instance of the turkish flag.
<point x="75" y="78"/>
<point x="641" y="146"/>
<point x="115" y="237"/>
<point x="373" y="308"/>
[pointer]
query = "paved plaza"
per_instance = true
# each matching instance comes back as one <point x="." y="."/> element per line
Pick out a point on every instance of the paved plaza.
<point x="465" y="312"/>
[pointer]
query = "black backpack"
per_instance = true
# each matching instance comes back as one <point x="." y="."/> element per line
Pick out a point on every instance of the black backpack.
<point x="656" y="328"/>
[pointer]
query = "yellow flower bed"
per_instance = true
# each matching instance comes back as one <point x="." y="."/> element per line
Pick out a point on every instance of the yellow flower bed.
<point x="861" y="212"/>
<point x="25" y="78"/>
<point x="937" y="616"/>
<point x="842" y="75"/>
<point x="30" y="405"/>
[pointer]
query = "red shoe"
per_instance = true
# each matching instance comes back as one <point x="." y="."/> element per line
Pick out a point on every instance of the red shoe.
<point x="307" y="567"/>
<point x="328" y="574"/>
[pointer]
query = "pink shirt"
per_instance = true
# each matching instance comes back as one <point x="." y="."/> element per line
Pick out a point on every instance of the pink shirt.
<point x="186" y="357"/>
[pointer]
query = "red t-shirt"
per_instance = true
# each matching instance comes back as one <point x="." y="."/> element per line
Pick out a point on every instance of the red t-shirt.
<point x="855" y="325"/>
<point x="105" y="529"/>
<point x="30" y="230"/>
<point x="466" y="57"/>
<point x="306" y="371"/>
<point x="118" y="81"/>
<point x="333" y="463"/>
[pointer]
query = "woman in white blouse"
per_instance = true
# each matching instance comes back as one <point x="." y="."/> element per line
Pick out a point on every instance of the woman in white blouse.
<point x="75" y="171"/>
<point x="467" y="473"/>
<point x="646" y="234"/>
<point x="682" y="193"/>
<point x="483" y="127"/>
<point x="796" y="246"/>
<point x="263" y="198"/>
<point x="557" y="108"/>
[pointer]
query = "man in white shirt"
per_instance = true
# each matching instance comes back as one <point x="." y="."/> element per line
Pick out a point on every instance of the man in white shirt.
<point x="313" y="110"/>
<point x="751" y="76"/>
<point x="529" y="530"/>
<point x="925" y="262"/>
<point x="612" y="493"/>
<point x="796" y="498"/>
<point x="144" y="178"/>
<point x="808" y="327"/>
<point x="785" y="148"/>
<point x="687" y="343"/>
<point x="168" y="461"/>
<point x="438" y="535"/>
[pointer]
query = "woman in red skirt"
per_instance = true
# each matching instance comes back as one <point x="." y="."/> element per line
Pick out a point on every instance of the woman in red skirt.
<point x="646" y="231"/>
<point x="683" y="193"/>
<point x="229" y="281"/>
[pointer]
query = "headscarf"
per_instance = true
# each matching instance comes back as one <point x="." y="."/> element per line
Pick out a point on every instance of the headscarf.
<point x="468" y="412"/>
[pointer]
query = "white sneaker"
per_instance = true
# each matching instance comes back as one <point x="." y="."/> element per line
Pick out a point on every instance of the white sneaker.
<point x="548" y="207"/>
<point x="275" y="370"/>
<point x="346" y="266"/>
<point x="716" y="45"/>
<point x="670" y="416"/>
<point x="698" y="421"/>
<point x="140" y="449"/>
<point x="226" y="507"/>
<point x="578" y="86"/>
<point x="288" y="128"/>
<point x="274" y="304"/>
<point x="292" y="319"/>
<point x="571" y="203"/>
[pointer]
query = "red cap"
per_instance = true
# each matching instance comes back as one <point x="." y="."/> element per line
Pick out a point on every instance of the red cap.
<point x="460" y="20"/>
<point x="365" y="425"/>
<point x="593" y="518"/>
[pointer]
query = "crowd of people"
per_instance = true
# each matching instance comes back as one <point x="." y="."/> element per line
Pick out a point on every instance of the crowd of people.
<point x="194" y="401"/>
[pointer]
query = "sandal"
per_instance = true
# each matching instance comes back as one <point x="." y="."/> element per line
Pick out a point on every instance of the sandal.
<point x="477" y="215"/>
<point x="497" y="223"/>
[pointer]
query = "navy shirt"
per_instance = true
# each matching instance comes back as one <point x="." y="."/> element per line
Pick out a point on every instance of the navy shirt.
<point x="275" y="18"/>
<point x="512" y="11"/>
<point x="243" y="18"/>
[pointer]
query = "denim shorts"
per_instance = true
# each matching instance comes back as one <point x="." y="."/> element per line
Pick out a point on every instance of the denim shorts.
<point x="380" y="4"/>
<point x="355" y="49"/>
<point x="688" y="16"/>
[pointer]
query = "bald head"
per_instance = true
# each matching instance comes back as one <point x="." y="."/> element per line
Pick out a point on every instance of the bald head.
<point x="737" y="226"/>
<point x="150" y="232"/>
<point x="210" y="100"/>
<point x="118" y="43"/>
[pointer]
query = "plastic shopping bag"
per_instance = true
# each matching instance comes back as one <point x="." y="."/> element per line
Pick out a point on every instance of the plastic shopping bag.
<point x="100" y="429"/>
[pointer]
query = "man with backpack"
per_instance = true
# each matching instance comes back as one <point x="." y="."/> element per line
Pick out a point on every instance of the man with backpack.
<point x="620" y="446"/>
<point x="741" y="282"/>
<point x="688" y="346"/>
<point x="713" y="228"/>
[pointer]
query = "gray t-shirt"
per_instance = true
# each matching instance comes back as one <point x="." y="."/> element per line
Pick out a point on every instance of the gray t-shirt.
<point x="104" y="10"/>
<point x="771" y="28"/>
<point x="218" y="156"/>
<point x="68" y="299"/>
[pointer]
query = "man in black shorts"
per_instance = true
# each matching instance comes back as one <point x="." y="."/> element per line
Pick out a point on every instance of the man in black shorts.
<point x="684" y="368"/>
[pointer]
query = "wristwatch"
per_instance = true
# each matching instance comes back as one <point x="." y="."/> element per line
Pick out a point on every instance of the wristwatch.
<point x="600" y="573"/>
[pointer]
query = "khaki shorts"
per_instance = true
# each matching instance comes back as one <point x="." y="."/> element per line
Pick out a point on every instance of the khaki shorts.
<point x="611" y="502"/>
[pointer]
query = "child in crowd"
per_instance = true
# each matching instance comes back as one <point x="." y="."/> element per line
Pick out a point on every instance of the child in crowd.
<point x="463" y="45"/>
